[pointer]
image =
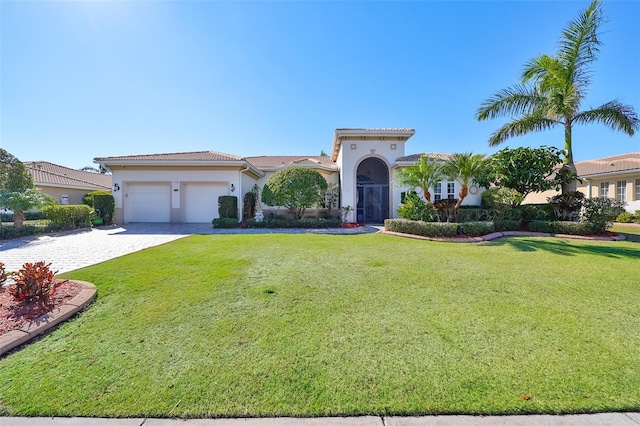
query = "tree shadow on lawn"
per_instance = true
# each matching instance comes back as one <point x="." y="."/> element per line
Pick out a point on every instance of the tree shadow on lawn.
<point x="571" y="248"/>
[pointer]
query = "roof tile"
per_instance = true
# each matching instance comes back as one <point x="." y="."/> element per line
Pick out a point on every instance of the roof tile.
<point x="45" y="173"/>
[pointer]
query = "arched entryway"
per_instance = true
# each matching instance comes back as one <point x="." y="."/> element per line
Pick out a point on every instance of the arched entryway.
<point x="372" y="191"/>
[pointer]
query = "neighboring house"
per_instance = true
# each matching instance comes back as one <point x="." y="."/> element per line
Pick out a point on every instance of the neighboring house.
<point x="184" y="187"/>
<point x="65" y="185"/>
<point x="616" y="177"/>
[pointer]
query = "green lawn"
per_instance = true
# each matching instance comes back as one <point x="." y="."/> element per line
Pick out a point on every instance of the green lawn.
<point x="632" y="233"/>
<point x="310" y="325"/>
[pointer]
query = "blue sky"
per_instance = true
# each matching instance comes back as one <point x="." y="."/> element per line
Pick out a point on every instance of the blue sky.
<point x="85" y="79"/>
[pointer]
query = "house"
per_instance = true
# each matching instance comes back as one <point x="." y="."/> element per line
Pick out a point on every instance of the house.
<point x="65" y="185"/>
<point x="184" y="187"/>
<point x="616" y="177"/>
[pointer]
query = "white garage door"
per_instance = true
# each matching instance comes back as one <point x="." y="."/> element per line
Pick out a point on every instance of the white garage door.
<point x="200" y="201"/>
<point x="148" y="202"/>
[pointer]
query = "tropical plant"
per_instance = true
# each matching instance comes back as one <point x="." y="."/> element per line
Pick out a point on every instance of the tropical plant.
<point x="600" y="212"/>
<point x="553" y="87"/>
<point x="502" y="200"/>
<point x="466" y="168"/>
<point x="23" y="201"/>
<point x="567" y="205"/>
<point x="423" y="174"/>
<point x="33" y="283"/>
<point x="415" y="208"/>
<point x="296" y="188"/>
<point x="330" y="196"/>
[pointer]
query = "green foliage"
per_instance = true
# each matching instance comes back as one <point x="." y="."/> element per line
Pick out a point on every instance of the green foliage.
<point x="425" y="229"/>
<point x="14" y="176"/>
<point x="506" y="225"/>
<point x="275" y="221"/>
<point x="415" y="208"/>
<point x="543" y="211"/>
<point x="104" y="205"/>
<point x="330" y="196"/>
<point x="600" y="212"/>
<point x="625" y="217"/>
<point x="423" y="174"/>
<point x="526" y="170"/>
<point x="466" y="168"/>
<point x="20" y="202"/>
<point x="502" y="200"/>
<point x="561" y="227"/>
<point x="64" y="217"/>
<point x="296" y="188"/>
<point x="33" y="283"/>
<point x="88" y="198"/>
<point x="228" y="207"/>
<point x="225" y="222"/>
<point x="248" y="205"/>
<point x="28" y="215"/>
<point x="476" y="229"/>
<point x="567" y="206"/>
<point x="8" y="232"/>
<point x="446" y="209"/>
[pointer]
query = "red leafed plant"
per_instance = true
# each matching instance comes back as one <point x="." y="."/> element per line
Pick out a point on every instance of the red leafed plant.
<point x="3" y="276"/>
<point x="34" y="283"/>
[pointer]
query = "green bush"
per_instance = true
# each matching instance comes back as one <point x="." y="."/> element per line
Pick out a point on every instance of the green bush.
<point x="474" y="214"/>
<point x="425" y="229"/>
<point x="225" y="222"/>
<point x="413" y="207"/>
<point x="32" y="215"/>
<point x="64" y="217"/>
<point x="566" y="206"/>
<point x="529" y="212"/>
<point x="625" y="217"/>
<point x="104" y="205"/>
<point x="249" y="205"/>
<point x="275" y="221"/>
<point x="507" y="225"/>
<point x="601" y="212"/>
<point x="228" y="206"/>
<point x="8" y="232"/>
<point x="476" y="229"/>
<point x="561" y="227"/>
<point x="88" y="199"/>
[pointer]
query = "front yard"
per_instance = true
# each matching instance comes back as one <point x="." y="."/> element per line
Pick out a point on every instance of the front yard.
<point x="309" y="325"/>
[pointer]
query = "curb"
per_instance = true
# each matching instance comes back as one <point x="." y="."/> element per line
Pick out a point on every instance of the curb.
<point x="45" y="322"/>
<point x="496" y="235"/>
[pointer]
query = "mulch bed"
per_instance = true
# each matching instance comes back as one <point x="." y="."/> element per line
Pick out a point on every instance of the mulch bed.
<point x="15" y="315"/>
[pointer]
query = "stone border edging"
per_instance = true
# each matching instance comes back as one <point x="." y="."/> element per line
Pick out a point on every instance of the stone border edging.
<point x="496" y="235"/>
<point x="14" y="338"/>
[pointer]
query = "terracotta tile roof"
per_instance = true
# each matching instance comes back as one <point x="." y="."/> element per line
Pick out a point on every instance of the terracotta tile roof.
<point x="617" y="163"/>
<point x="269" y="161"/>
<point x="374" y="129"/>
<point x="431" y="155"/>
<point x="49" y="174"/>
<point x="176" y="156"/>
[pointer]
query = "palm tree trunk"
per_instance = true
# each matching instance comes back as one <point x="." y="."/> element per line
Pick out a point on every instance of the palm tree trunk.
<point x="18" y="219"/>
<point x="568" y="157"/>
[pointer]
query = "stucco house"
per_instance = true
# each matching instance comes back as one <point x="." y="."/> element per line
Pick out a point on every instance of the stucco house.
<point x="184" y="187"/>
<point x="617" y="176"/>
<point x="65" y="185"/>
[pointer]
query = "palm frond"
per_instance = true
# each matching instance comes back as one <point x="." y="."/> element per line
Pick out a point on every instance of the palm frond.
<point x="515" y="100"/>
<point x="614" y="115"/>
<point x="529" y="123"/>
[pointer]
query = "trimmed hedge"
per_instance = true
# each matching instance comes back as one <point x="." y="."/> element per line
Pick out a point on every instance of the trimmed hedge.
<point x="8" y="232"/>
<point x="225" y="222"/>
<point x="476" y="229"/>
<point x="425" y="229"/>
<point x="507" y="225"/>
<point x="282" y="222"/>
<point x="88" y="198"/>
<point x="64" y="217"/>
<point x="228" y="206"/>
<point x="104" y="205"/>
<point x="560" y="227"/>
<point x="31" y="215"/>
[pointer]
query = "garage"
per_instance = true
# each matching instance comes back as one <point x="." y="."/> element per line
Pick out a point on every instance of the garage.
<point x="200" y="201"/>
<point x="148" y="202"/>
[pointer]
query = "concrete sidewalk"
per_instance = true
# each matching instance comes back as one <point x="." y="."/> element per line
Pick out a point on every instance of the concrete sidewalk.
<point x="603" y="419"/>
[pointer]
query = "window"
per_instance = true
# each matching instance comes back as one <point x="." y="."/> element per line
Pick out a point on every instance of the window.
<point x="437" y="194"/>
<point x="637" y="189"/>
<point x="621" y="190"/>
<point x="604" y="190"/>
<point x="451" y="190"/>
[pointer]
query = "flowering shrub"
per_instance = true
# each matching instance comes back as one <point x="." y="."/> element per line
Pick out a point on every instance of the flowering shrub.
<point x="3" y="275"/>
<point x="33" y="283"/>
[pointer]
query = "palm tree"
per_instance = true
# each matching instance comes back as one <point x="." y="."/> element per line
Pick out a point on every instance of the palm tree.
<point x="464" y="168"/>
<point x="423" y="174"/>
<point x="553" y="88"/>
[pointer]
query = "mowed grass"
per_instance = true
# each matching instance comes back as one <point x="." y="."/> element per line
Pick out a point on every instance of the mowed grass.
<point x="311" y="325"/>
<point x="631" y="233"/>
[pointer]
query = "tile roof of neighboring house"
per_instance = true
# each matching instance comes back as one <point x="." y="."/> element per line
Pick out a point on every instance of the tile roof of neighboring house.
<point x="374" y="129"/>
<point x="614" y="164"/>
<point x="49" y="174"/>
<point x="269" y="161"/>
<point x="176" y="156"/>
<point x="431" y="155"/>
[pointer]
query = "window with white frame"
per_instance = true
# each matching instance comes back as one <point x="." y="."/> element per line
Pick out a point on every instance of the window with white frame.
<point x="437" y="194"/>
<point x="604" y="189"/>
<point x="621" y="190"/>
<point x="451" y="190"/>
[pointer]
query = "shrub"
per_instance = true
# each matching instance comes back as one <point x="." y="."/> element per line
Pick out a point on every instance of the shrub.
<point x="506" y="225"/>
<point x="625" y="217"/>
<point x="88" y="199"/>
<point x="249" y="205"/>
<point x="65" y="217"/>
<point x="561" y="227"/>
<point x="446" y="209"/>
<point x="476" y="229"/>
<point x="296" y="188"/>
<point x="3" y="275"/>
<point x="33" y="283"/>
<point x="8" y="232"/>
<point x="502" y="200"/>
<point x="601" y="212"/>
<point x="104" y="205"/>
<point x="474" y="214"/>
<point x="415" y="208"/>
<point x="225" y="222"/>
<point x="228" y="206"/>
<point x="275" y="221"/>
<point x="566" y="206"/>
<point x="425" y="229"/>
<point x="529" y="212"/>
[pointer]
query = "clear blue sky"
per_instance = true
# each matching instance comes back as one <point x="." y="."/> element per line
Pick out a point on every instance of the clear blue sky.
<point x="85" y="79"/>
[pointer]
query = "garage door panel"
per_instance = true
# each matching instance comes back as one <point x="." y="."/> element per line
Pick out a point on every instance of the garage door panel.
<point x="148" y="202"/>
<point x="200" y="201"/>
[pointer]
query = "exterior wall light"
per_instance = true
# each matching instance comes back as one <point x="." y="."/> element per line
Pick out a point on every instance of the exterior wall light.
<point x="233" y="188"/>
<point x="116" y="187"/>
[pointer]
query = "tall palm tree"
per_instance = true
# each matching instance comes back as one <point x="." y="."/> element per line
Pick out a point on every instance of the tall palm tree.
<point x="553" y="88"/>
<point x="464" y="168"/>
<point x="423" y="174"/>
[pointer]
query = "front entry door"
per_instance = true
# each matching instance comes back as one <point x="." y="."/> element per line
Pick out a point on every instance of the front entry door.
<point x="373" y="203"/>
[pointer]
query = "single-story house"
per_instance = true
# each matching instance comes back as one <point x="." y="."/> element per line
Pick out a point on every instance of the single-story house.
<point x="65" y="185"/>
<point x="184" y="187"/>
<point x="616" y="177"/>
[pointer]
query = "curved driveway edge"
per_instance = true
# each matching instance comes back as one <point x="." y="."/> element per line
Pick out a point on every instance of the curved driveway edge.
<point x="496" y="235"/>
<point x="15" y="338"/>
